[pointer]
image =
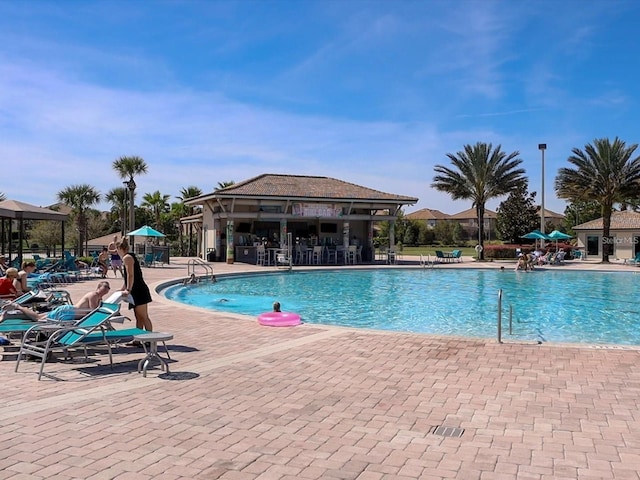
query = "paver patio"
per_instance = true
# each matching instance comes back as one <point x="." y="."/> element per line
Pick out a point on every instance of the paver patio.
<point x="314" y="402"/>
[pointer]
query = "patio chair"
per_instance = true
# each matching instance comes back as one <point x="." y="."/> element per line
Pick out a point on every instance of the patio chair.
<point x="456" y="255"/>
<point x="440" y="256"/>
<point x="158" y="258"/>
<point x="147" y="260"/>
<point x="44" y="338"/>
<point x="558" y="259"/>
<point x="636" y="260"/>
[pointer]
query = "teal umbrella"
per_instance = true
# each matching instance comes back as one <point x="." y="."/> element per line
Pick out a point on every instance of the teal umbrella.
<point x="558" y="235"/>
<point x="146" y="231"/>
<point x="536" y="235"/>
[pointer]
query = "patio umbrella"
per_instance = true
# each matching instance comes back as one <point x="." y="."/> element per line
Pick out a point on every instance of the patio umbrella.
<point x="558" y="235"/>
<point x="146" y="231"/>
<point x="536" y="235"/>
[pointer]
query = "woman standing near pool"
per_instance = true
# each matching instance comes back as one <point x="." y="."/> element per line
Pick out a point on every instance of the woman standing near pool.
<point x="135" y="286"/>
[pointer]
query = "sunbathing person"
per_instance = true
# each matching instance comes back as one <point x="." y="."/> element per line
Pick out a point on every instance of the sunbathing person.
<point x="60" y="313"/>
<point x="88" y="302"/>
<point x="7" y="288"/>
<point x="21" y="282"/>
<point x="93" y="299"/>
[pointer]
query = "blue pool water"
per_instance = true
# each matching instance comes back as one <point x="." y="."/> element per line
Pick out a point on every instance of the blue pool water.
<point x="549" y="305"/>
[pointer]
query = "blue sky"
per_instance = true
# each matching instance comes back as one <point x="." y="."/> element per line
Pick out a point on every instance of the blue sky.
<point x="375" y="93"/>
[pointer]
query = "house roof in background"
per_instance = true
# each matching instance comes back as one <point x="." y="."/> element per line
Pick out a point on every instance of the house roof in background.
<point x="427" y="214"/>
<point x="471" y="213"/>
<point x="550" y="214"/>
<point x="627" y="220"/>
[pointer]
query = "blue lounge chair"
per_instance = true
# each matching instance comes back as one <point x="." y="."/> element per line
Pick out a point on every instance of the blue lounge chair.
<point x="158" y="258"/>
<point x="44" y="338"/>
<point x="636" y="260"/>
<point x="147" y="261"/>
<point x="443" y="257"/>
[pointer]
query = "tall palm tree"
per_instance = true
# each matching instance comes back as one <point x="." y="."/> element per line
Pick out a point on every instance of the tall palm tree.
<point x="190" y="192"/>
<point x="118" y="199"/>
<point x="80" y="198"/>
<point x="158" y="204"/>
<point x="604" y="172"/>
<point x="2" y="197"/>
<point x="225" y="184"/>
<point x="127" y="168"/>
<point x="479" y="173"/>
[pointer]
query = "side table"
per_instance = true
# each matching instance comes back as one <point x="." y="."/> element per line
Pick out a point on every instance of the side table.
<point x="152" y="353"/>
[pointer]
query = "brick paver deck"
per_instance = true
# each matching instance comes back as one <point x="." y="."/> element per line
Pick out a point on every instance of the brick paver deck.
<point x="315" y="402"/>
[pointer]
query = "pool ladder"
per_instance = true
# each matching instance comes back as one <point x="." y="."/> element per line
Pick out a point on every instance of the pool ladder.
<point x="500" y="317"/>
<point x="199" y="264"/>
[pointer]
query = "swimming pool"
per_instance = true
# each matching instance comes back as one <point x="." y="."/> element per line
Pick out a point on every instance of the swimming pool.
<point x="548" y="306"/>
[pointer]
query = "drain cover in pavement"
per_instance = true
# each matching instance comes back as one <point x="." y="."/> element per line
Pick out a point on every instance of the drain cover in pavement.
<point x="178" y="376"/>
<point x="445" y="431"/>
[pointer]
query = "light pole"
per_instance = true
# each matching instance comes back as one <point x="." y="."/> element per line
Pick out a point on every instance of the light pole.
<point x="125" y="209"/>
<point x="131" y="185"/>
<point x="542" y="147"/>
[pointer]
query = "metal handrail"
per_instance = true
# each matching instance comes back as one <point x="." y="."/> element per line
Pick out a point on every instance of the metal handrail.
<point x="194" y="263"/>
<point x="500" y="316"/>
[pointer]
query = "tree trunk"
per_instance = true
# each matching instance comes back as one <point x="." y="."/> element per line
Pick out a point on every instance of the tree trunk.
<point x="606" y="229"/>
<point x="480" y="215"/>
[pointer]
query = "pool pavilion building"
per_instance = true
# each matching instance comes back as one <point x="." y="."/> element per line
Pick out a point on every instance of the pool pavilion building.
<point x="317" y="211"/>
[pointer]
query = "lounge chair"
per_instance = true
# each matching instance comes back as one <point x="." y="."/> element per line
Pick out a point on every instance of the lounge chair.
<point x="442" y="257"/>
<point x="44" y="338"/>
<point x="158" y="258"/>
<point x="147" y="260"/>
<point x="558" y="259"/>
<point x="636" y="260"/>
<point x="456" y="255"/>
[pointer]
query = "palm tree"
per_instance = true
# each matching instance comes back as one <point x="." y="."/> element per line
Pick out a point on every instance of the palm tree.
<point x="225" y="184"/>
<point x="127" y="168"/>
<point x="118" y="198"/>
<point x="158" y="204"/>
<point x="190" y="192"/>
<point x="479" y="173"/>
<point x="80" y="198"/>
<point x="604" y="172"/>
<point x="2" y="197"/>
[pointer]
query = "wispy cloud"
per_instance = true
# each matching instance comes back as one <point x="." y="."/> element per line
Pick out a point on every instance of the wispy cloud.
<point x="500" y="114"/>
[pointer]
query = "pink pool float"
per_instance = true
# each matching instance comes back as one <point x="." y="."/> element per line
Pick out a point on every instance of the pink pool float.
<point x="279" y="319"/>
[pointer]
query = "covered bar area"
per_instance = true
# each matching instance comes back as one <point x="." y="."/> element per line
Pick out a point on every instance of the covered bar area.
<point x="315" y="220"/>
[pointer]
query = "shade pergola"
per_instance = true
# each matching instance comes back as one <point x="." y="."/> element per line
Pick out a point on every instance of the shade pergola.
<point x="20" y="211"/>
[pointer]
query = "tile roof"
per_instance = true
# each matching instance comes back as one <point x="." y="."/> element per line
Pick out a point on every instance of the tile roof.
<point x="471" y="213"/>
<point x="307" y="187"/>
<point x="549" y="213"/>
<point x="427" y="214"/>
<point x="627" y="220"/>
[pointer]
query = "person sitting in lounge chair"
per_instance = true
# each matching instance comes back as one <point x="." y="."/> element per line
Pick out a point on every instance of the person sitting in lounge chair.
<point x="88" y="302"/>
<point x="92" y="300"/>
<point x="21" y="282"/>
<point x="7" y="288"/>
<point x="60" y="313"/>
